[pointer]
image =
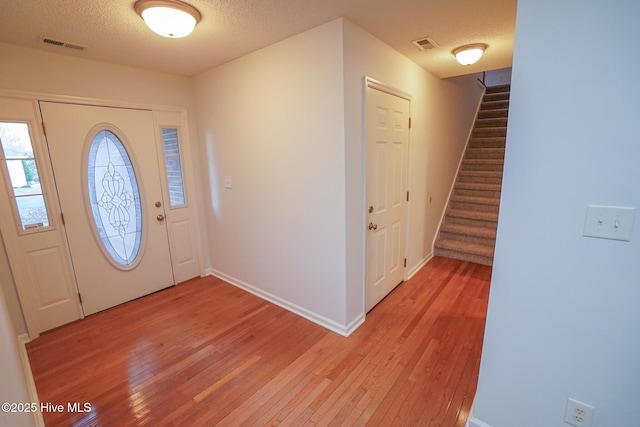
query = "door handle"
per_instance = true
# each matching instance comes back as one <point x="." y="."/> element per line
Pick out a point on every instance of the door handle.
<point x="160" y="218"/>
<point x="373" y="226"/>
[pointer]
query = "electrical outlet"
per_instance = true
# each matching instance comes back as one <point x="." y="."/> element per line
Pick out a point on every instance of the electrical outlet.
<point x="578" y="414"/>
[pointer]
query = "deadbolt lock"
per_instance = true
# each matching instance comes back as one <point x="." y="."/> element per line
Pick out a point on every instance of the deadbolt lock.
<point x="370" y="209"/>
<point x="158" y="204"/>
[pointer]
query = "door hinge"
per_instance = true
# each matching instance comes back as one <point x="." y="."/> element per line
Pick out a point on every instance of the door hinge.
<point x="409" y="122"/>
<point x="62" y="218"/>
<point x="80" y="297"/>
<point x="407" y="196"/>
<point x="44" y="129"/>
<point x="405" y="262"/>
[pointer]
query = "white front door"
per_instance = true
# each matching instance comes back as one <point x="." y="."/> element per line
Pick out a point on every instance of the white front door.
<point x="30" y="221"/>
<point x="109" y="186"/>
<point x="387" y="136"/>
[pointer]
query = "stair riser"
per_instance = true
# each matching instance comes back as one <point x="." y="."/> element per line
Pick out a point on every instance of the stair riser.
<point x="500" y="96"/>
<point x="487" y="143"/>
<point x="494" y="105"/>
<point x="482" y="153"/>
<point x="477" y="207"/>
<point x="489" y="133"/>
<point x="463" y="256"/>
<point x="478" y="193"/>
<point x="472" y="222"/>
<point x="491" y="122"/>
<point x="472" y="179"/>
<point x="493" y="114"/>
<point x="470" y="165"/>
<point x="499" y="88"/>
<point x="468" y="238"/>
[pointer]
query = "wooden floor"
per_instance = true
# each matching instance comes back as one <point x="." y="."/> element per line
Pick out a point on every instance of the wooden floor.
<point x="205" y="353"/>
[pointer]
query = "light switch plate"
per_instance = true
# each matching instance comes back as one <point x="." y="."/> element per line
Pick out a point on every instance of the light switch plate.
<point x="227" y="182"/>
<point x="609" y="222"/>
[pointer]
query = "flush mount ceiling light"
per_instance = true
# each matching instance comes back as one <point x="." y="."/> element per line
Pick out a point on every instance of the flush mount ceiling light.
<point x="169" y="18"/>
<point x="469" y="54"/>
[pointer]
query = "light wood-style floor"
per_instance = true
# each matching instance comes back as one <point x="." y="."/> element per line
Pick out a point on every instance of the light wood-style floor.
<point x="205" y="353"/>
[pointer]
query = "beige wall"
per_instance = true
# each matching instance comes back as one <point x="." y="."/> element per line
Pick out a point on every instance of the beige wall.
<point x="273" y="121"/>
<point x="442" y="112"/>
<point x="286" y="124"/>
<point x="33" y="70"/>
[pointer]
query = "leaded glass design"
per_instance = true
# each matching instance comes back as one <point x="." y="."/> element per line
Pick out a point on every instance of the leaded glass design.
<point x="20" y="161"/>
<point x="173" y="166"/>
<point x="115" y="198"/>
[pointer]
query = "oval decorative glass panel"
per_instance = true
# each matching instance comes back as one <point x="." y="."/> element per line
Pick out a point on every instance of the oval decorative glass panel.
<point x="114" y="198"/>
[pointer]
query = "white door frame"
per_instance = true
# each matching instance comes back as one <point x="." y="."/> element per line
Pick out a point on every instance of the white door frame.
<point x="371" y="83"/>
<point x="161" y="112"/>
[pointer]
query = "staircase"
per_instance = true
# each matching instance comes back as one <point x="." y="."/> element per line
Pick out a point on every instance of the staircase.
<point x="468" y="231"/>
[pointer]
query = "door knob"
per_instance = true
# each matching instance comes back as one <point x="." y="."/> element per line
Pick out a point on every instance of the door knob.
<point x="373" y="226"/>
<point x="160" y="218"/>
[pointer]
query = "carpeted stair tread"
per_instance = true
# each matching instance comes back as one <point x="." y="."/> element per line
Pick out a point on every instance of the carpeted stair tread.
<point x="491" y="217"/>
<point x="498" y="96"/>
<point x="496" y="113"/>
<point x="494" y="105"/>
<point x="483" y="174"/>
<point x="490" y="142"/>
<point x="483" y="164"/>
<point x="480" y="176"/>
<point x="485" y="153"/>
<point x="472" y="248"/>
<point x="489" y="132"/>
<point x="491" y="201"/>
<point x="469" y="230"/>
<point x="499" y="88"/>
<point x="463" y="256"/>
<point x="478" y="186"/>
<point x="491" y="122"/>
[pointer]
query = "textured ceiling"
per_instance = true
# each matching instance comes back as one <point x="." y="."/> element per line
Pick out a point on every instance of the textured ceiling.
<point x="113" y="32"/>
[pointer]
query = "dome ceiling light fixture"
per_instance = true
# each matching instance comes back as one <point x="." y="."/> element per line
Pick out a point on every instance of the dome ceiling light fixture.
<point x="169" y="18"/>
<point x="469" y="54"/>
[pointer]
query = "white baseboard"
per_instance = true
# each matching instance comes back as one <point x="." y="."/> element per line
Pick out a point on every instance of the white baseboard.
<point x="344" y="330"/>
<point x="417" y="268"/>
<point x="474" y="422"/>
<point x="23" y="339"/>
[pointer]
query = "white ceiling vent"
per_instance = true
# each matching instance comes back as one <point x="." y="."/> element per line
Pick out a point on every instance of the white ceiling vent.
<point x="425" y="43"/>
<point x="60" y="43"/>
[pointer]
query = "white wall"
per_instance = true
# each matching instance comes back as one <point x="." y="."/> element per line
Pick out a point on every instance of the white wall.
<point x="563" y="311"/>
<point x="273" y="121"/>
<point x="8" y="289"/>
<point x="442" y="111"/>
<point x="13" y="384"/>
<point x="498" y="77"/>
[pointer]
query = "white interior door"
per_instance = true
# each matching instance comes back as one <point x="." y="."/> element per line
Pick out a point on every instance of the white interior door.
<point x="387" y="136"/>
<point x="106" y="170"/>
